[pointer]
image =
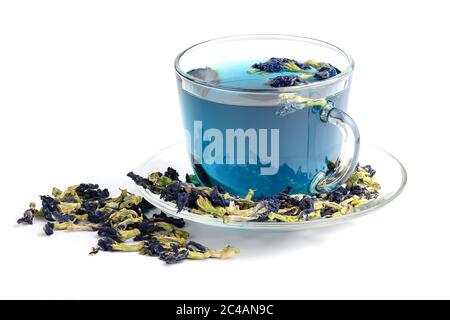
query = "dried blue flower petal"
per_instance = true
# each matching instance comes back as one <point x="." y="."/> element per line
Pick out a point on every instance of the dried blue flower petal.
<point x="306" y="204"/>
<point x="108" y="232"/>
<point x="338" y="194"/>
<point x="97" y="216"/>
<point x="28" y="215"/>
<point x="170" y="192"/>
<point x="195" y="246"/>
<point x="271" y="65"/>
<point x="162" y="217"/>
<point x="90" y="191"/>
<point x="356" y="190"/>
<point x="286" y="81"/>
<point x="302" y="65"/>
<point x="173" y="255"/>
<point x="106" y="244"/>
<point x="326" y="72"/>
<point x="369" y="169"/>
<point x="140" y="181"/>
<point x="49" y="207"/>
<point x="217" y="198"/>
<point x="272" y="204"/>
<point x="48" y="228"/>
<point x="172" y="174"/>
<point x="182" y="200"/>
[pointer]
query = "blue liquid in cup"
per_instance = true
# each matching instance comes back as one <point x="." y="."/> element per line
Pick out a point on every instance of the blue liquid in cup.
<point x="306" y="144"/>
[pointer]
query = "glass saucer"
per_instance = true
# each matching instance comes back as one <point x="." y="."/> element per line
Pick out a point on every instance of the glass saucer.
<point x="390" y="173"/>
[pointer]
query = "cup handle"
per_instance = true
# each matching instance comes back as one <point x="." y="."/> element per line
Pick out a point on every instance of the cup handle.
<point x="326" y="182"/>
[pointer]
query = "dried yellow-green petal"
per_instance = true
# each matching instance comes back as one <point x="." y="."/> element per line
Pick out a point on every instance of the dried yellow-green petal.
<point x="250" y="194"/>
<point x="166" y="226"/>
<point x="225" y="253"/>
<point x="333" y="205"/>
<point x="130" y="201"/>
<point x="70" y="226"/>
<point x="357" y="203"/>
<point x="56" y="192"/>
<point x="314" y="215"/>
<point x="351" y="199"/>
<point x="82" y="217"/>
<point x="206" y="206"/>
<point x="181" y="234"/>
<point x="315" y="64"/>
<point x="68" y="207"/>
<point x="275" y="216"/>
<point x="292" y="67"/>
<point x="195" y="255"/>
<point x="306" y="76"/>
<point x="69" y="194"/>
<point x="167" y="240"/>
<point x="122" y="215"/>
<point x="124" y="224"/>
<point x="124" y="235"/>
<point x="252" y="70"/>
<point x="137" y="247"/>
<point x="289" y="211"/>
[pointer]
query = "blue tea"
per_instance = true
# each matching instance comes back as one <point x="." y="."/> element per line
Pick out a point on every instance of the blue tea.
<point x="239" y="138"/>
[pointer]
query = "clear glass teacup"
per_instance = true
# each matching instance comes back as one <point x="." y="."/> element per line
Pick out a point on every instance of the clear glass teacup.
<point x="242" y="135"/>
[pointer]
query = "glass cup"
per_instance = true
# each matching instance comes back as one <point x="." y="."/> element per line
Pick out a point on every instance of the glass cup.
<point x="267" y="138"/>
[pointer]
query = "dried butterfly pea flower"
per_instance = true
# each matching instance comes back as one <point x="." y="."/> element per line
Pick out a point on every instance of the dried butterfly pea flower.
<point x="48" y="228"/>
<point x="206" y="206"/>
<point x="117" y="234"/>
<point x="283" y="218"/>
<point x="279" y="65"/>
<point x="326" y="72"/>
<point x="120" y="219"/>
<point x="50" y="208"/>
<point x="217" y="197"/>
<point x="281" y="207"/>
<point x="173" y="254"/>
<point x="182" y="200"/>
<point x="28" y="215"/>
<point x="315" y="64"/>
<point x="225" y="253"/>
<point x="171" y="192"/>
<point x="90" y="191"/>
<point x="167" y="239"/>
<point x="109" y="232"/>
<point x="195" y="246"/>
<point x="172" y="174"/>
<point x="140" y="181"/>
<point x="291" y="102"/>
<point x="286" y="81"/>
<point x="271" y="65"/>
<point x="368" y="168"/>
<point x="222" y="254"/>
<point x="162" y="217"/>
<point x="69" y="226"/>
<point x="363" y="178"/>
<point x="108" y="244"/>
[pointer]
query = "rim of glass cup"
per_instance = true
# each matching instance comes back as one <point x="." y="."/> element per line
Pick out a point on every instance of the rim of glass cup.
<point x="348" y="71"/>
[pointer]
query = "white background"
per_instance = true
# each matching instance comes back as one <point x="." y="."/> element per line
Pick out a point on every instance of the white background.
<point x="87" y="91"/>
